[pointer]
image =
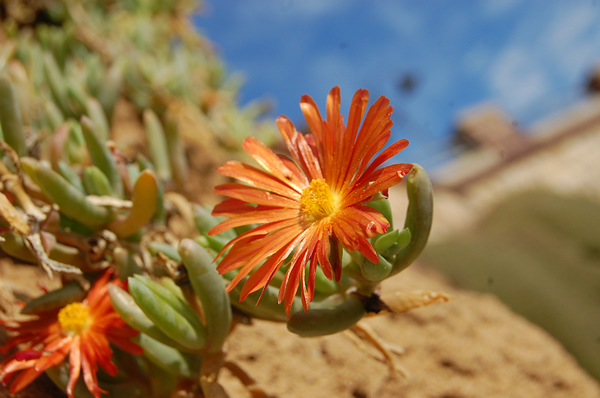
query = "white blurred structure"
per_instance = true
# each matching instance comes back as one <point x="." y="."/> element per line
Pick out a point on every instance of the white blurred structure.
<point x="560" y="153"/>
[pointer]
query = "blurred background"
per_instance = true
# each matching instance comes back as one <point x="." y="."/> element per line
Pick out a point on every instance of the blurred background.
<point x="499" y="100"/>
<point x="431" y="58"/>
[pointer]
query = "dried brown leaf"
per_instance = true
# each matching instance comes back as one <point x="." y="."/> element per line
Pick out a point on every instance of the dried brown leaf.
<point x="12" y="215"/>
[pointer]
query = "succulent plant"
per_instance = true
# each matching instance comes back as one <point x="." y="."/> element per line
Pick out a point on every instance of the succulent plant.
<point x="79" y="199"/>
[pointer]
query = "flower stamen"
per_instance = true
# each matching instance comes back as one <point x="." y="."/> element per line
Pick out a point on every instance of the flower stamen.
<point x="74" y="318"/>
<point x="317" y="201"/>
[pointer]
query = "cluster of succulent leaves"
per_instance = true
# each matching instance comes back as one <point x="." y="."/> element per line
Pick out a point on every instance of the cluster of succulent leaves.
<point x="76" y="205"/>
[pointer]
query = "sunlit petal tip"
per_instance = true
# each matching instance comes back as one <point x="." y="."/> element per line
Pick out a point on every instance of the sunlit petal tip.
<point x="362" y="93"/>
<point x="360" y="98"/>
<point x="213" y="231"/>
<point x="229" y="286"/>
<point x="334" y="97"/>
<point x="307" y="99"/>
<point x="283" y="123"/>
<point x="249" y="139"/>
<point x="335" y="91"/>
<point x="311" y="114"/>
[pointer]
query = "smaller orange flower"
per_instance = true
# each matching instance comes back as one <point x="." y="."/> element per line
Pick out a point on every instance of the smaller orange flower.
<point x="80" y="330"/>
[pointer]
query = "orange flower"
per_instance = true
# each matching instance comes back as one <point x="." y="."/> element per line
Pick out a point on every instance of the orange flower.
<point x="311" y="204"/>
<point x="80" y="330"/>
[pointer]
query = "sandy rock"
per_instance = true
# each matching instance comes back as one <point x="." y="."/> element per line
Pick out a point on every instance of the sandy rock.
<point x="471" y="347"/>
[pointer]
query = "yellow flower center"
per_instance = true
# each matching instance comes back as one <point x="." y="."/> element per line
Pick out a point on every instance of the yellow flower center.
<point x="317" y="201"/>
<point x="74" y="318"/>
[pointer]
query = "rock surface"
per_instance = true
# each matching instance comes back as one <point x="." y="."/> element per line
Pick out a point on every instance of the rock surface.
<point x="472" y="346"/>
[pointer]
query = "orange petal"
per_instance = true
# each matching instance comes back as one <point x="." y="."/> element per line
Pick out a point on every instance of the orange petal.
<point x="309" y="287"/>
<point x="367" y="179"/>
<point x="290" y="137"/>
<point x="333" y="106"/>
<point x="271" y="162"/>
<point x="370" y="134"/>
<point x="303" y="290"/>
<point x="257" y="178"/>
<point x="387" y="154"/>
<point x="332" y="133"/>
<point x="299" y="175"/>
<point x="337" y="259"/>
<point x="265" y="273"/>
<point x="365" y="218"/>
<point x="15" y="365"/>
<point x="55" y="357"/>
<point x="329" y="150"/>
<point x="291" y="281"/>
<point x="74" y="366"/>
<point x="255" y="195"/>
<point x="386" y="177"/>
<point x="96" y="351"/>
<point x="345" y="234"/>
<point x="23" y="379"/>
<point x="294" y="140"/>
<point x="89" y="373"/>
<point x="255" y="217"/>
<point x="366" y="249"/>
<point x="377" y="116"/>
<point x="357" y="111"/>
<point x="248" y="258"/>
<point x="57" y="344"/>
<point x="310" y="162"/>
<point x="95" y="295"/>
<point x="261" y="230"/>
<point x="312" y="116"/>
<point x="322" y="251"/>
<point x="230" y="207"/>
<point x="305" y="251"/>
<point x="255" y="247"/>
<point x="370" y="149"/>
<point x="354" y="240"/>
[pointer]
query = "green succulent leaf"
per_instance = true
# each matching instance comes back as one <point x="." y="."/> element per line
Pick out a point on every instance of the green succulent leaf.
<point x="55" y="299"/>
<point x="168" y="319"/>
<point x="210" y="288"/>
<point x="129" y="311"/>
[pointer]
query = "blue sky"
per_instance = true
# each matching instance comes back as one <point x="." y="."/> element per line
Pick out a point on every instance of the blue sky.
<point x="528" y="56"/>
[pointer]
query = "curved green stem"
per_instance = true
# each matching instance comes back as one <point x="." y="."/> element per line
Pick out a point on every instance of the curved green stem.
<point x="325" y="321"/>
<point x="419" y="217"/>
